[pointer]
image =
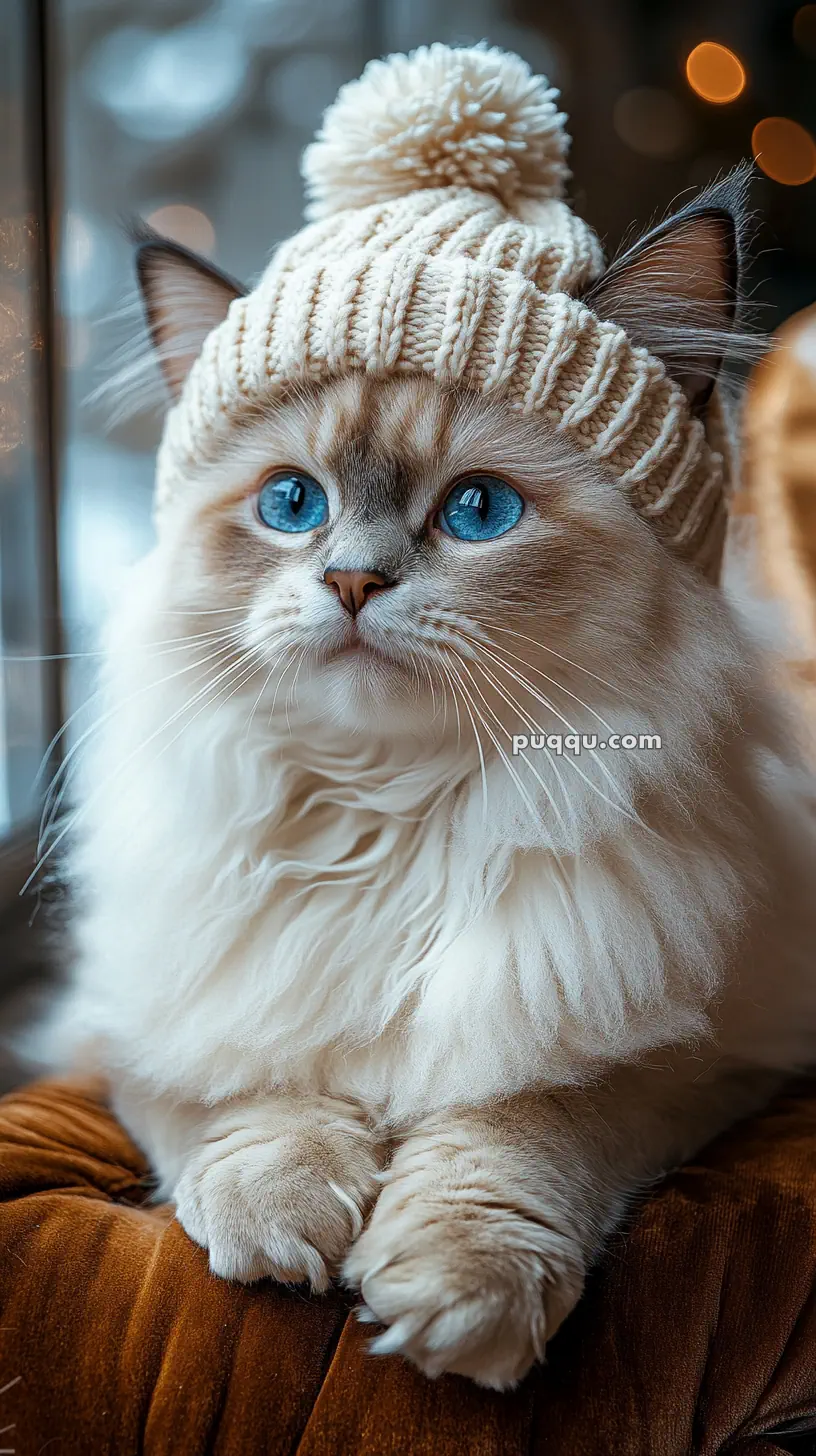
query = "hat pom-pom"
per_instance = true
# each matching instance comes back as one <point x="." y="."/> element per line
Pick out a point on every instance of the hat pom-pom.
<point x="439" y="117"/>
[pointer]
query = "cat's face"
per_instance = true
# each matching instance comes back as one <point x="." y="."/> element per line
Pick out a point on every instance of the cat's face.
<point x="393" y="556"/>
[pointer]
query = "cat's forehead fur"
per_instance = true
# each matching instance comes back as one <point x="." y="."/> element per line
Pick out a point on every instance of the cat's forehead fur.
<point x="383" y="441"/>
<point x="378" y="442"/>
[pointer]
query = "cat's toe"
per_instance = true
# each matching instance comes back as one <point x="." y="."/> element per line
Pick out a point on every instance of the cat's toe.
<point x="463" y="1289"/>
<point x="262" y="1211"/>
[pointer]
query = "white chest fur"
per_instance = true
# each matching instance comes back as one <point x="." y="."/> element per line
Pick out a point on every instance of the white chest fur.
<point x="263" y="915"/>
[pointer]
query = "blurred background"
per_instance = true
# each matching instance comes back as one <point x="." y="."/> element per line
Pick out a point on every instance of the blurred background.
<point x="193" y="114"/>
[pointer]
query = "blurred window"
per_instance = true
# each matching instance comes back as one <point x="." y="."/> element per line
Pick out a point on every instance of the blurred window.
<point x="25" y="679"/>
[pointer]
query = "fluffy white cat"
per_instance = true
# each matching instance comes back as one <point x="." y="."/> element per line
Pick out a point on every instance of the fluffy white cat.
<point x="378" y="996"/>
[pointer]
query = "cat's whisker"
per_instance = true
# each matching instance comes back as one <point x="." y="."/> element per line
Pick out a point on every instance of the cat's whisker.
<point x="60" y="733"/>
<point x="92" y="798"/>
<point x="447" y="684"/>
<point x="456" y="710"/>
<point x="106" y="653"/>
<point x="530" y="722"/>
<point x="621" y="807"/>
<point x="505" y="652"/>
<point x="427" y="668"/>
<point x="291" y="700"/>
<point x="252" y="671"/>
<point x="444" y="686"/>
<point x="45" y="855"/>
<point x="480" y="749"/>
<point x="264" y="687"/>
<point x="561" y="881"/>
<point x="546" y="703"/>
<point x="412" y="663"/>
<point x="211" y="638"/>
<point x="514" y="706"/>
<point x="444" y="701"/>
<point x="508" y="734"/>
<point x="50" y="807"/>
<point x="495" y="656"/>
<point x="283" y="673"/>
<point x="546" y="648"/>
<point x="468" y="697"/>
<point x="85" y="706"/>
<point x="172" y="645"/>
<point x="203" y="611"/>
<point x="217" y="702"/>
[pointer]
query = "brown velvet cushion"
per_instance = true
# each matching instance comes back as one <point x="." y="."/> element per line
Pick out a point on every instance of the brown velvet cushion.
<point x="697" y="1334"/>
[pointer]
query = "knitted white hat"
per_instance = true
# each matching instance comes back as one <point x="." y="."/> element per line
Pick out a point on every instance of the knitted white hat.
<point x="440" y="244"/>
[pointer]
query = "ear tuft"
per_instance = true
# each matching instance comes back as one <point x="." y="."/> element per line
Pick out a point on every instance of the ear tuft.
<point x="184" y="297"/>
<point x="678" y="290"/>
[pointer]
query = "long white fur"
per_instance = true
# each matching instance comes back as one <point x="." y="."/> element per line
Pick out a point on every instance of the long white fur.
<point x="280" y="890"/>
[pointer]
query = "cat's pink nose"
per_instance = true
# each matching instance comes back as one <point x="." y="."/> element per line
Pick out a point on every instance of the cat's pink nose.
<point x="354" y="587"/>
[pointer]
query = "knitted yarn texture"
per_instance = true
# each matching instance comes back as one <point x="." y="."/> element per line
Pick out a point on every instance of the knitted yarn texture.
<point x="441" y="244"/>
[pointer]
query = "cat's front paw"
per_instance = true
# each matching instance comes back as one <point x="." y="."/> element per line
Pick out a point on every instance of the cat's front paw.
<point x="464" y="1288"/>
<point x="277" y="1201"/>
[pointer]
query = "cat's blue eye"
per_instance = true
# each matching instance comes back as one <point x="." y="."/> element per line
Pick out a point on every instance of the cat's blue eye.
<point x="480" y="508"/>
<point x="292" y="501"/>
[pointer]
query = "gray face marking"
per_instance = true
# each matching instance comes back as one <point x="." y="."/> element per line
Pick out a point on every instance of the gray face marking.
<point x="382" y="518"/>
<point x="372" y="484"/>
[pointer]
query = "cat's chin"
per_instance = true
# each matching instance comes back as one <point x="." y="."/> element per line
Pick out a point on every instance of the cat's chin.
<point x="362" y="690"/>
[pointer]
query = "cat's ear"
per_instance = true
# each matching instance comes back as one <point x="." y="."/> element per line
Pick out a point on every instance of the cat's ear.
<point x="184" y="298"/>
<point x="677" y="289"/>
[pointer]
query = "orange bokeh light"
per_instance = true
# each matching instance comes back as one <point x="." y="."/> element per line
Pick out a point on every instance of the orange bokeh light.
<point x="715" y="73"/>
<point x="784" y="150"/>
<point x="804" y="29"/>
